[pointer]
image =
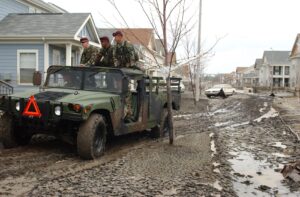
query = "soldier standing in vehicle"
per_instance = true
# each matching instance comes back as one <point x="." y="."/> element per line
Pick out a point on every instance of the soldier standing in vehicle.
<point x="124" y="56"/>
<point x="89" y="54"/>
<point x="123" y="52"/>
<point x="105" y="55"/>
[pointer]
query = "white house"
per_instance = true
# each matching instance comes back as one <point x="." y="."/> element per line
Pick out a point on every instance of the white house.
<point x="295" y="64"/>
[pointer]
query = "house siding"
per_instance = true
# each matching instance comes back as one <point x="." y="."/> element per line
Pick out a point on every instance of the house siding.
<point x="11" y="6"/>
<point x="8" y="62"/>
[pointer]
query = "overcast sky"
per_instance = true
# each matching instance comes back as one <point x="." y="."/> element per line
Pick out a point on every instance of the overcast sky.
<point x="249" y="26"/>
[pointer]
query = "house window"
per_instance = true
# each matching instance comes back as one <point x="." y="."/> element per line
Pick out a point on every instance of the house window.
<point x="56" y="57"/>
<point x="277" y="82"/>
<point x="27" y="64"/>
<point x="286" y="82"/>
<point x="287" y="70"/>
<point x="277" y="70"/>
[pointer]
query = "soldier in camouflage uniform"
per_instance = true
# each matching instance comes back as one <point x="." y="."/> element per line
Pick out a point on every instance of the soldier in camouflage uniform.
<point x="89" y="54"/>
<point x="123" y="52"/>
<point x="124" y="56"/>
<point x="105" y="55"/>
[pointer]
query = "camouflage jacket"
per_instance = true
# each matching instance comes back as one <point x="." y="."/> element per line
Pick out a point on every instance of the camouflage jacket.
<point x="105" y="57"/>
<point x="88" y="56"/>
<point x="124" y="55"/>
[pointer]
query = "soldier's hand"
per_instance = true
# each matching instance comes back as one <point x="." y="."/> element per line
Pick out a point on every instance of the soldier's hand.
<point x="82" y="65"/>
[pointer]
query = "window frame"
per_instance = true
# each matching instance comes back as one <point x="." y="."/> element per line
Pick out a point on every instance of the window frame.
<point x="19" y="52"/>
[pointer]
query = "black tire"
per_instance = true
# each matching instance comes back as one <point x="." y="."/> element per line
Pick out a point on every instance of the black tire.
<point x="162" y="129"/>
<point x="10" y="134"/>
<point x="91" y="137"/>
<point x="7" y="131"/>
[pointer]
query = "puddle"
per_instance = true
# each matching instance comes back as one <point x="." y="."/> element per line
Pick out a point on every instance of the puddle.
<point x="213" y="148"/>
<point x="220" y="124"/>
<point x="272" y="113"/>
<point x="239" y="124"/>
<point x="264" y="108"/>
<point x="279" y="155"/>
<point x="189" y="116"/>
<point x="219" y="111"/>
<point x="217" y="185"/>
<point x="279" y="145"/>
<point x="250" y="174"/>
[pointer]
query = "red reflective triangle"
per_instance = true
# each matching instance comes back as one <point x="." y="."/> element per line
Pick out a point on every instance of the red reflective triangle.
<point x="36" y="112"/>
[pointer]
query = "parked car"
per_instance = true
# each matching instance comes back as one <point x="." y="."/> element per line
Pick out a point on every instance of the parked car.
<point x="215" y="90"/>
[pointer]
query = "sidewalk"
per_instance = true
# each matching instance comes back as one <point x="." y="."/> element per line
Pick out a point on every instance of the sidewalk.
<point x="289" y="111"/>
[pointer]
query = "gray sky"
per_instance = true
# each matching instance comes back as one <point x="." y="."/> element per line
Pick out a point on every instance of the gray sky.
<point x="250" y="26"/>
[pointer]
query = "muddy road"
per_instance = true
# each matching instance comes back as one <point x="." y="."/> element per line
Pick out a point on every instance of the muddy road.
<point x="224" y="147"/>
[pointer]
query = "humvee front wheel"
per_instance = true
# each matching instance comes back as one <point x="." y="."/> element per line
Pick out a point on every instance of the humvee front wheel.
<point x="10" y="134"/>
<point x="91" y="137"/>
<point x="7" y="131"/>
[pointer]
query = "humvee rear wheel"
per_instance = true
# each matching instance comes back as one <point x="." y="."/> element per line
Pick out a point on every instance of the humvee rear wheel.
<point x="163" y="128"/>
<point x="91" y="137"/>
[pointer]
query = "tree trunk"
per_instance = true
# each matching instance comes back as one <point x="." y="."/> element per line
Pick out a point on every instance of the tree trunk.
<point x="170" y="112"/>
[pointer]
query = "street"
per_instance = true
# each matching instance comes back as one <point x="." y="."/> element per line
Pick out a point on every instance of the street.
<point x="224" y="147"/>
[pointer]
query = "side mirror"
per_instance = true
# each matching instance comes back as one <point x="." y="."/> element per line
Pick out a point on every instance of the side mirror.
<point x="37" y="78"/>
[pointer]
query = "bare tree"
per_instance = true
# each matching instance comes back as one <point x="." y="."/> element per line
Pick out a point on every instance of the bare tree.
<point x="170" y="23"/>
<point x="194" y="72"/>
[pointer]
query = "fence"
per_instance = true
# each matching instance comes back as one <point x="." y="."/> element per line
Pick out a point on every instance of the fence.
<point x="5" y="88"/>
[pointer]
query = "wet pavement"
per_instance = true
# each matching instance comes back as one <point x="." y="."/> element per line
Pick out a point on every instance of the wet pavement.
<point x="255" y="149"/>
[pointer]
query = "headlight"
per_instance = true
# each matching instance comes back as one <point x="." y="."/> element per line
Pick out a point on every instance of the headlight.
<point x="57" y="110"/>
<point x="18" y="106"/>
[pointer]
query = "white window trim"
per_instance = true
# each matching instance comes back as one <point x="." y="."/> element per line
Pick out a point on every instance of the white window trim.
<point x="19" y="51"/>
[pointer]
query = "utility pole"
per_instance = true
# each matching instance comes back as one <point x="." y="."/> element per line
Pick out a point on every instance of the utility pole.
<point x="197" y="73"/>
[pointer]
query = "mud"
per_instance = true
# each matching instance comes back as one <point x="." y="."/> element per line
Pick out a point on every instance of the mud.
<point x="224" y="147"/>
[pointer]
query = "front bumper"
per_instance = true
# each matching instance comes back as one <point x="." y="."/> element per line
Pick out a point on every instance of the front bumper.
<point x="46" y="108"/>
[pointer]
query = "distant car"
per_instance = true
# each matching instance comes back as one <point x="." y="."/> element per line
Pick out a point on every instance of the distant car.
<point x="215" y="90"/>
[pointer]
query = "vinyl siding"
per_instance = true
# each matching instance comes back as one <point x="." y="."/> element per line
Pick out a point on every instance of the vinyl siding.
<point x="11" y="6"/>
<point x="8" y="62"/>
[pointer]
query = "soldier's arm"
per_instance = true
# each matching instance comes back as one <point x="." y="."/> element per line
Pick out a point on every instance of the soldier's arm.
<point x="82" y="59"/>
<point x="93" y="56"/>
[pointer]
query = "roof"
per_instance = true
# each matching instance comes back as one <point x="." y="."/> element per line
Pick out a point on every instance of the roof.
<point x="276" y="57"/>
<point x="136" y="36"/>
<point x="241" y="69"/>
<point x="42" y="25"/>
<point x="258" y="62"/>
<point x="159" y="46"/>
<point x="50" y="7"/>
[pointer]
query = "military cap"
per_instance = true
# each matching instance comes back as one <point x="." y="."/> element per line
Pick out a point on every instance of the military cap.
<point x="84" y="39"/>
<point x="117" y="33"/>
<point x="104" y="38"/>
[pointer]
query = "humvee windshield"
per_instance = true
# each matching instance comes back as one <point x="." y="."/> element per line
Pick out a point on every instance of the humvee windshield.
<point x="83" y="79"/>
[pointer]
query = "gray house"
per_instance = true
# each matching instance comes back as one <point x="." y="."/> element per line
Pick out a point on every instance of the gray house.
<point x="32" y="42"/>
<point x="27" y="6"/>
<point x="275" y="69"/>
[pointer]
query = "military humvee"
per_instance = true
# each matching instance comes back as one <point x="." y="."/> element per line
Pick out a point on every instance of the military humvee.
<point x="82" y="105"/>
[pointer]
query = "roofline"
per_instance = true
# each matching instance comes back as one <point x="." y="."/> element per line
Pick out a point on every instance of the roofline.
<point x="49" y="9"/>
<point x="8" y="38"/>
<point x="83" y="24"/>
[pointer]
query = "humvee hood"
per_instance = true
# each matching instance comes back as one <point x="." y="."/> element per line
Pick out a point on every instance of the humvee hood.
<point x="66" y="96"/>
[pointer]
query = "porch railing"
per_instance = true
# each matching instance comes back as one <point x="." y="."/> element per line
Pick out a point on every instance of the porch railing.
<point x="5" y="88"/>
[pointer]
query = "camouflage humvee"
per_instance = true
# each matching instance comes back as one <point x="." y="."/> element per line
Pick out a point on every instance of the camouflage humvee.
<point x="82" y="105"/>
